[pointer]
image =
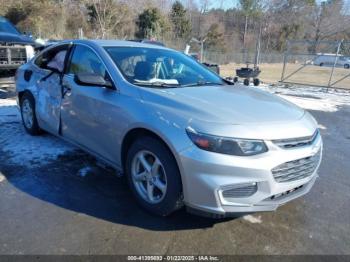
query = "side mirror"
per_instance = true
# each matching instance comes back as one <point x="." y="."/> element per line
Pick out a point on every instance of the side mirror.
<point x="91" y="79"/>
<point x="229" y="80"/>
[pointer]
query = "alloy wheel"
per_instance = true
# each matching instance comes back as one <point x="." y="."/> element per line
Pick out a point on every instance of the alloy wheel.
<point x="27" y="114"/>
<point x="149" y="177"/>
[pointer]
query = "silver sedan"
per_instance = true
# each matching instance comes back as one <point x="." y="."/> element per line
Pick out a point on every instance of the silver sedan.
<point x="181" y="134"/>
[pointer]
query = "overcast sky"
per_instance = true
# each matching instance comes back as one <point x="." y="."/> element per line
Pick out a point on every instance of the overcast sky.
<point x="233" y="3"/>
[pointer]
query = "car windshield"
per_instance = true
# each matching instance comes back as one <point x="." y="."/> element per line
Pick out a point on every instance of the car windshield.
<point x="161" y="68"/>
<point x="7" y="27"/>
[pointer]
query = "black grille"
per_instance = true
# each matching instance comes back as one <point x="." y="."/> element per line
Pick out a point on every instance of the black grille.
<point x="11" y="55"/>
<point x="18" y="55"/>
<point x="3" y="56"/>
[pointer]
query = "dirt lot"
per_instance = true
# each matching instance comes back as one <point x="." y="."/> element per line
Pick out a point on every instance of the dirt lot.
<point x="312" y="75"/>
<point x="55" y="199"/>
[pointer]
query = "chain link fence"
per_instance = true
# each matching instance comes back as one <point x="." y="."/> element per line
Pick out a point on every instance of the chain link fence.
<point x="241" y="57"/>
<point x="321" y="63"/>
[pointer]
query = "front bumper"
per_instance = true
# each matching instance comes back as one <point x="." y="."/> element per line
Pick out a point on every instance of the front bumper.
<point x="205" y="175"/>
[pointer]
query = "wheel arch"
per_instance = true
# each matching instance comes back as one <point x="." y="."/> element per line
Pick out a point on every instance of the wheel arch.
<point x="136" y="132"/>
<point x="22" y="92"/>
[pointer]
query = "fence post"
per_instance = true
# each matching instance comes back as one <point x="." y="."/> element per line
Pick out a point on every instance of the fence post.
<point x="335" y="64"/>
<point x="285" y="61"/>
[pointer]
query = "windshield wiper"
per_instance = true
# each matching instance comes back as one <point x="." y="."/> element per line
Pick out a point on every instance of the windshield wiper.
<point x="203" y="83"/>
<point x="157" y="84"/>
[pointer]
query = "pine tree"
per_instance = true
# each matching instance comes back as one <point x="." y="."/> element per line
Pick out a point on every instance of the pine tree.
<point x="181" y="25"/>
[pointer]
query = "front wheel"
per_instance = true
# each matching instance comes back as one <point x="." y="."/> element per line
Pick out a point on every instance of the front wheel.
<point x="346" y="66"/>
<point x="153" y="176"/>
<point x="30" y="123"/>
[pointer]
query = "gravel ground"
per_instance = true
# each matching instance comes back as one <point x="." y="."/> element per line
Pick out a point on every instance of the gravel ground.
<point x="56" y="199"/>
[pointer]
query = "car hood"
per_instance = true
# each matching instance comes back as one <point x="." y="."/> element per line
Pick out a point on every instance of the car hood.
<point x="15" y="39"/>
<point x="229" y="104"/>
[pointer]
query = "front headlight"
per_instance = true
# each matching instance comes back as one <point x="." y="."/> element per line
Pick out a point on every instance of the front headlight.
<point x="228" y="146"/>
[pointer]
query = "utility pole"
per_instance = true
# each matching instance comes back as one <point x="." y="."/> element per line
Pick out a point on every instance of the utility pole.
<point x="201" y="43"/>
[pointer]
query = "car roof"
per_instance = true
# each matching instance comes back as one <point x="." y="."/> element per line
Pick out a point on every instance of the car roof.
<point x="106" y="43"/>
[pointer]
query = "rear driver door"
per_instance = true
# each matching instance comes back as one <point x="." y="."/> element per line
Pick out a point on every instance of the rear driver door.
<point x="49" y="90"/>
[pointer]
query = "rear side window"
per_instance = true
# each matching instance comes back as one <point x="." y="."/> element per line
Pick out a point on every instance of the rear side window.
<point x="84" y="60"/>
<point x="49" y="55"/>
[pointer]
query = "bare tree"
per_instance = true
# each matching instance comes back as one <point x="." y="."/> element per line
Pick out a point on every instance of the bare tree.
<point x="110" y="16"/>
<point x="327" y="21"/>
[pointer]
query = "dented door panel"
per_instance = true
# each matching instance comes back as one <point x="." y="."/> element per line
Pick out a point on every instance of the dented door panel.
<point x="49" y="102"/>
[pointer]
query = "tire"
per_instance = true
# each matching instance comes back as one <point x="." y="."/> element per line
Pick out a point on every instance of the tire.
<point x="346" y="66"/>
<point x="246" y="82"/>
<point x="235" y="79"/>
<point x="161" y="204"/>
<point x="321" y="64"/>
<point x="256" y="81"/>
<point x="29" y="120"/>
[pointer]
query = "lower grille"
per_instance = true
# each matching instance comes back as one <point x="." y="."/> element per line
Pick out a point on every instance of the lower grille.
<point x="287" y="193"/>
<point x="296" y="169"/>
<point x="239" y="191"/>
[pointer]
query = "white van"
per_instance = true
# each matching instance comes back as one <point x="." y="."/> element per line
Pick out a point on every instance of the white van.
<point x="329" y="59"/>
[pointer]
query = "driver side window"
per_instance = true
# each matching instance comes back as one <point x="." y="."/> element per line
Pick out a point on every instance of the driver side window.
<point x="84" y="60"/>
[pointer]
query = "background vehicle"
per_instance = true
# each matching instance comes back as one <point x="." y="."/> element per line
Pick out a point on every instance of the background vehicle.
<point x="181" y="134"/>
<point x="248" y="73"/>
<point x="15" y="50"/>
<point x="329" y="59"/>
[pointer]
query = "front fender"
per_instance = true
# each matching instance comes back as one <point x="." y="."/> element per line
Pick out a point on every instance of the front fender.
<point x="166" y="124"/>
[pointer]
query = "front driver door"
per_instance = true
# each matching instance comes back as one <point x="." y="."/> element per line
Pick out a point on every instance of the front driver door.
<point x="90" y="113"/>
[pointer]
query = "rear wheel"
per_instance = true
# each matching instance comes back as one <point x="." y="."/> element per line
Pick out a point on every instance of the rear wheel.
<point x="153" y="176"/>
<point x="346" y="66"/>
<point x="256" y="81"/>
<point x="321" y="64"/>
<point x="30" y="123"/>
<point x="246" y="82"/>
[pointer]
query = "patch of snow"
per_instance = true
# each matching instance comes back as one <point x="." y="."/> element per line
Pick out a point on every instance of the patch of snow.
<point x="22" y="148"/>
<point x="253" y="219"/>
<point x="312" y="98"/>
<point x="2" y="178"/>
<point x="9" y="111"/>
<point x="312" y="104"/>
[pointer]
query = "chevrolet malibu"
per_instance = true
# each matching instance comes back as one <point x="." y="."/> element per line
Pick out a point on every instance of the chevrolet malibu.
<point x="181" y="134"/>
